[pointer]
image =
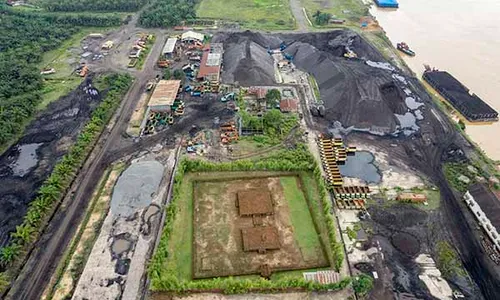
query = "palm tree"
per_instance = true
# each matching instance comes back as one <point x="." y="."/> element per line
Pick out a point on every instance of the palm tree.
<point x="49" y="191"/>
<point x="9" y="253"/>
<point x="23" y="233"/>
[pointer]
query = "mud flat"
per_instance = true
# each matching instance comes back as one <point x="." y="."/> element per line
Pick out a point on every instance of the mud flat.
<point x="116" y="265"/>
<point x="25" y="165"/>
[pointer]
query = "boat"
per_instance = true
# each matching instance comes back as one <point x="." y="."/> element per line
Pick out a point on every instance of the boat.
<point x="403" y="47"/>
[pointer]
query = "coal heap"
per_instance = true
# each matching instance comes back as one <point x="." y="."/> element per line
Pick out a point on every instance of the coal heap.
<point x="354" y="93"/>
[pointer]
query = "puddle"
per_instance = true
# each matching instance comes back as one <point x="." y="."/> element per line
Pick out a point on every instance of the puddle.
<point x="135" y="188"/>
<point x="120" y="245"/>
<point x="412" y="103"/>
<point x="407" y="121"/>
<point x="419" y="115"/>
<point x="380" y="65"/>
<point x="152" y="210"/>
<point x="26" y="160"/>
<point x="399" y="78"/>
<point x="361" y="166"/>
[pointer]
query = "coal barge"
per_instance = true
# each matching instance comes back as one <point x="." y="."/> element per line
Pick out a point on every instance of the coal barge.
<point x="459" y="96"/>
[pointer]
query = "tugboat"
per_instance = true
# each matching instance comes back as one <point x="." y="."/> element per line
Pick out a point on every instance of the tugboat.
<point x="403" y="47"/>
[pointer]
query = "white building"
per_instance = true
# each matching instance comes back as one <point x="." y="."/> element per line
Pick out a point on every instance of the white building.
<point x="486" y="208"/>
<point x="169" y="48"/>
<point x="191" y="36"/>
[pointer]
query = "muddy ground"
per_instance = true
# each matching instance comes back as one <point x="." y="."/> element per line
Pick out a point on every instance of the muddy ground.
<point x="25" y="165"/>
<point x="217" y="231"/>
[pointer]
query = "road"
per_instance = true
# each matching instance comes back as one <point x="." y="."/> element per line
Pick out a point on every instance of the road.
<point x="47" y="252"/>
<point x="299" y="15"/>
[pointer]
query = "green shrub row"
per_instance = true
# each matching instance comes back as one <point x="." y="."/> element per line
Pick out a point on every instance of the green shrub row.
<point x="56" y="185"/>
<point x="298" y="159"/>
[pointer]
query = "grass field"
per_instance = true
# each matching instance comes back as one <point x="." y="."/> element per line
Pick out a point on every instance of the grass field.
<point x="64" y="60"/>
<point x="349" y="10"/>
<point x="303" y="227"/>
<point x="304" y="232"/>
<point x="253" y="14"/>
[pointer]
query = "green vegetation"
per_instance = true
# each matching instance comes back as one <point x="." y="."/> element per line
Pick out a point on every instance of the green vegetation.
<point x="351" y="233"/>
<point x="448" y="261"/>
<point x="56" y="185"/>
<point x="145" y="53"/>
<point x="314" y="86"/>
<point x="349" y="10"/>
<point x="273" y="97"/>
<point x="362" y="284"/>
<point x="254" y="14"/>
<point x="453" y="171"/>
<point x="321" y="18"/>
<point x="173" y="251"/>
<point x="26" y="36"/>
<point x="275" y="125"/>
<point x="304" y="230"/>
<point x="91" y="5"/>
<point x="4" y="281"/>
<point x="166" y="13"/>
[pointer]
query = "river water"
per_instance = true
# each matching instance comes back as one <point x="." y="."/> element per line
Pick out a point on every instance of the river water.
<point x="459" y="36"/>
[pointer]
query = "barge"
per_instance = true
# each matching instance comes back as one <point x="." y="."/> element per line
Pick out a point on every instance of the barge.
<point x="468" y="104"/>
<point x="387" y="3"/>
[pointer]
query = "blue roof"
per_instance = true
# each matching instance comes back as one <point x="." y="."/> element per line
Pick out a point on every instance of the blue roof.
<point x="387" y="3"/>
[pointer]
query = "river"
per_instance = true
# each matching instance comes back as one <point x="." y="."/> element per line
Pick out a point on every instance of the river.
<point x="459" y="36"/>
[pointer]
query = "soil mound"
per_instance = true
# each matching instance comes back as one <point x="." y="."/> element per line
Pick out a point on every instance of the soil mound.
<point x="360" y="93"/>
<point x="406" y="243"/>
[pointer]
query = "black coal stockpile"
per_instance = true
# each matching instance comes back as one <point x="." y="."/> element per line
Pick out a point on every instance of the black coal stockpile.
<point x="354" y="93"/>
<point x="24" y="166"/>
<point x="469" y="105"/>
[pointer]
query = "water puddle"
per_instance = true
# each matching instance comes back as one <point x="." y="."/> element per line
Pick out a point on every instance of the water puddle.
<point x="380" y="65"/>
<point x="407" y="121"/>
<point x="120" y="245"/>
<point x="361" y="166"/>
<point x="26" y="160"/>
<point x="412" y="104"/>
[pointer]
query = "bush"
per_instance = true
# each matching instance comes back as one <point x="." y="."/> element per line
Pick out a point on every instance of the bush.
<point x="362" y="284"/>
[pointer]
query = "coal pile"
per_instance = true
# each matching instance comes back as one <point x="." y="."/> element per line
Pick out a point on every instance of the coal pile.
<point x="364" y="93"/>
<point x="25" y="165"/>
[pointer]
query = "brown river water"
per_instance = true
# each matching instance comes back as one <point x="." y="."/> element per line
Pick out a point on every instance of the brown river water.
<point x="459" y="36"/>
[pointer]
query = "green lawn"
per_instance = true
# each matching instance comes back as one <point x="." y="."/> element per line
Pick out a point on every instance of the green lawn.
<point x="305" y="234"/>
<point x="180" y="246"/>
<point x="254" y="14"/>
<point x="64" y="60"/>
<point x="349" y="10"/>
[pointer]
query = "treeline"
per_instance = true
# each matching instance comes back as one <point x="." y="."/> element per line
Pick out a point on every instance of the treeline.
<point x="167" y="13"/>
<point x="92" y="5"/>
<point x="25" y="37"/>
<point x="298" y="159"/>
<point x="56" y="185"/>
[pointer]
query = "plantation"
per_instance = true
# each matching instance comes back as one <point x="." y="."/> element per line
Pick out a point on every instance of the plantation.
<point x="311" y="245"/>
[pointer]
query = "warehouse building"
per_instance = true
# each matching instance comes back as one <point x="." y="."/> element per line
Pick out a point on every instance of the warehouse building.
<point x="164" y="95"/>
<point x="211" y="61"/>
<point x="486" y="209"/>
<point x="191" y="37"/>
<point x="169" y="48"/>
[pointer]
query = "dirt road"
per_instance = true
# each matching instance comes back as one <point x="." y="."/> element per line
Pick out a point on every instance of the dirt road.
<point x="299" y="15"/>
<point x="49" y="249"/>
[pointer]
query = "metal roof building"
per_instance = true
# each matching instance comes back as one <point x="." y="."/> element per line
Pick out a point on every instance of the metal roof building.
<point x="164" y="95"/>
<point x="192" y="36"/>
<point x="169" y="46"/>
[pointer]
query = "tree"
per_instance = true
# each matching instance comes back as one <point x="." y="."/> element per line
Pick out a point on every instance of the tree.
<point x="167" y="74"/>
<point x="273" y="98"/>
<point x="4" y="281"/>
<point x="179" y="75"/>
<point x="321" y="18"/>
<point x="362" y="284"/>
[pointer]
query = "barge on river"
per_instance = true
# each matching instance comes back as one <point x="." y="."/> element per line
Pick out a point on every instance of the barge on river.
<point x="468" y="104"/>
<point x="387" y="3"/>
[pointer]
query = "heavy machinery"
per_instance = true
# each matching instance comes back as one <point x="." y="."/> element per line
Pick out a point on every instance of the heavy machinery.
<point x="83" y="71"/>
<point x="227" y="97"/>
<point x="164" y="63"/>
